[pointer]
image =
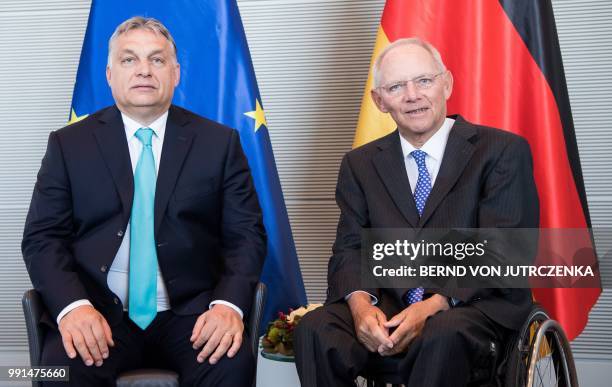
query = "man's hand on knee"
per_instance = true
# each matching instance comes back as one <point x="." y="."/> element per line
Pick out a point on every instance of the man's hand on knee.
<point x="85" y="331"/>
<point x="220" y="331"/>
<point x="369" y="323"/>
<point x="409" y="323"/>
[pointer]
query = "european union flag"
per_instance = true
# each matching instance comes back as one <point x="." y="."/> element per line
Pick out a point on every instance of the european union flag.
<point x="217" y="82"/>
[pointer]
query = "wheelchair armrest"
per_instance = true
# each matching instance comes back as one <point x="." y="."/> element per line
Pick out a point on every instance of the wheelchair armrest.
<point x="33" y="309"/>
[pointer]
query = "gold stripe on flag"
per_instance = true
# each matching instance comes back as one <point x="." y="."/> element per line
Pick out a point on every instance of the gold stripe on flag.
<point x="372" y="122"/>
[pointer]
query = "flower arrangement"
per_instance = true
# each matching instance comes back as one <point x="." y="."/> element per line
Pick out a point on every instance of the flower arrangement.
<point x="279" y="335"/>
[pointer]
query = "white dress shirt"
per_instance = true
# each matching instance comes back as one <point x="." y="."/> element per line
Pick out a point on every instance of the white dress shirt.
<point x="118" y="274"/>
<point x="434" y="147"/>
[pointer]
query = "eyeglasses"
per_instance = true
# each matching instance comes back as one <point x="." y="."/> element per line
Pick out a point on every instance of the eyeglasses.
<point x="422" y="83"/>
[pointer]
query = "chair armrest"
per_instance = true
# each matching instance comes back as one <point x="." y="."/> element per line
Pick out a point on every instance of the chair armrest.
<point x="33" y="309"/>
<point x="259" y="301"/>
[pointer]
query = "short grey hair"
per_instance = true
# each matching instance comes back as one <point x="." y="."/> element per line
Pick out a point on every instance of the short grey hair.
<point x="140" y="23"/>
<point x="405" y="42"/>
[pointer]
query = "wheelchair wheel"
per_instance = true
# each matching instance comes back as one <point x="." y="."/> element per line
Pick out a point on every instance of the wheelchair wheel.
<point x="540" y="355"/>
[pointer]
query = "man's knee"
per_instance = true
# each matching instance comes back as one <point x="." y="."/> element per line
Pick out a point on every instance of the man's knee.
<point x="332" y="318"/>
<point x="54" y="354"/>
<point x="309" y="326"/>
<point x="79" y="373"/>
<point x="238" y="370"/>
<point x="444" y="330"/>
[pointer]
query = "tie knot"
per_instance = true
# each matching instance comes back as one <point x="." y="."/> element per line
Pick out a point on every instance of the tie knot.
<point x="419" y="157"/>
<point x="144" y="135"/>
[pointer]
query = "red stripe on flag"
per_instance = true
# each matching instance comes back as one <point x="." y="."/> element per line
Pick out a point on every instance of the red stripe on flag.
<point x="498" y="83"/>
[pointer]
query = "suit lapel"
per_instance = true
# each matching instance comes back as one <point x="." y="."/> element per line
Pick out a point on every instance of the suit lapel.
<point x="456" y="157"/>
<point x="391" y="168"/>
<point x="112" y="142"/>
<point x="177" y="142"/>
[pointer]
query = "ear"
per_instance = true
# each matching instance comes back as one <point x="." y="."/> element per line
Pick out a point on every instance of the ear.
<point x="448" y="85"/>
<point x="108" y="75"/>
<point x="379" y="101"/>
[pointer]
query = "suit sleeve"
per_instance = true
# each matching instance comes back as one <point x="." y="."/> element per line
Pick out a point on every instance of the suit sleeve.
<point x="509" y="199"/>
<point x="344" y="270"/>
<point x="243" y="232"/>
<point x="48" y="232"/>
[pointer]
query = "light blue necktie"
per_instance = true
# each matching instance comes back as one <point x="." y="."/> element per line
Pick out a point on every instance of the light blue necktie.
<point x="421" y="193"/>
<point x="142" y="295"/>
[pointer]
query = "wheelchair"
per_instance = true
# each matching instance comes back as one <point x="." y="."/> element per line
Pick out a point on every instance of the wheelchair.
<point x="538" y="355"/>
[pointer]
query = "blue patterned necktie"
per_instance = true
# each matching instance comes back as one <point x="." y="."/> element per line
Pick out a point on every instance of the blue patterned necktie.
<point x="421" y="193"/>
<point x="142" y="294"/>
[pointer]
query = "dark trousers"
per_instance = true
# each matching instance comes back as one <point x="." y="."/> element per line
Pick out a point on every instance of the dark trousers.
<point x="164" y="344"/>
<point x="451" y="343"/>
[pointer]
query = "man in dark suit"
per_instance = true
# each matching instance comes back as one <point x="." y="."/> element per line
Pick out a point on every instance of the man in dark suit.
<point x="433" y="172"/>
<point x="144" y="235"/>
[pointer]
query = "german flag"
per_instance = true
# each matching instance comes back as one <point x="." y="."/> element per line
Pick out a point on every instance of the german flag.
<point x="506" y="62"/>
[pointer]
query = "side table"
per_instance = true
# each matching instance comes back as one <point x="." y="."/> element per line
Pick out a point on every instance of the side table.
<point x="276" y="370"/>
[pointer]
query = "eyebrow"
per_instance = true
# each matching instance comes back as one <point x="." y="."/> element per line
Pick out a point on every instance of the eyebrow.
<point x="417" y="77"/>
<point x="129" y="51"/>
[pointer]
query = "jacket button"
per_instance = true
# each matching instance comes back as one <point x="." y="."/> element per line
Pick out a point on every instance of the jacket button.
<point x="104" y="268"/>
<point x="119" y="233"/>
<point x="116" y="301"/>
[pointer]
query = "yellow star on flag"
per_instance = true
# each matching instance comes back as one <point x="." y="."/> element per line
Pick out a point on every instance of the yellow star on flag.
<point x="74" y="118"/>
<point x="258" y="115"/>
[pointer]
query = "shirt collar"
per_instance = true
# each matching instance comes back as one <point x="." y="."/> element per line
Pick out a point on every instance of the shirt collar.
<point x="158" y="126"/>
<point x="434" y="147"/>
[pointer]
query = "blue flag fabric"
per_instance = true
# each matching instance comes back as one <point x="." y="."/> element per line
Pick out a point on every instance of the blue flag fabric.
<point x="217" y="82"/>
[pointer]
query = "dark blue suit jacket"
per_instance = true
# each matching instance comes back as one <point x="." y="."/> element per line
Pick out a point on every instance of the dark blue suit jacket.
<point x="209" y="232"/>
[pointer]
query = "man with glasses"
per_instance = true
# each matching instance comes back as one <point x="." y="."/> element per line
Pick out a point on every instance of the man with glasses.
<point x="433" y="172"/>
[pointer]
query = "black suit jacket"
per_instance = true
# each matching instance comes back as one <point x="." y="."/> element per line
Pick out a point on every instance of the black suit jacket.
<point x="485" y="180"/>
<point x="208" y="225"/>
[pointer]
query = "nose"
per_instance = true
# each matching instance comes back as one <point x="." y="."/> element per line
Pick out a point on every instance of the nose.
<point x="144" y="68"/>
<point x="411" y="92"/>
